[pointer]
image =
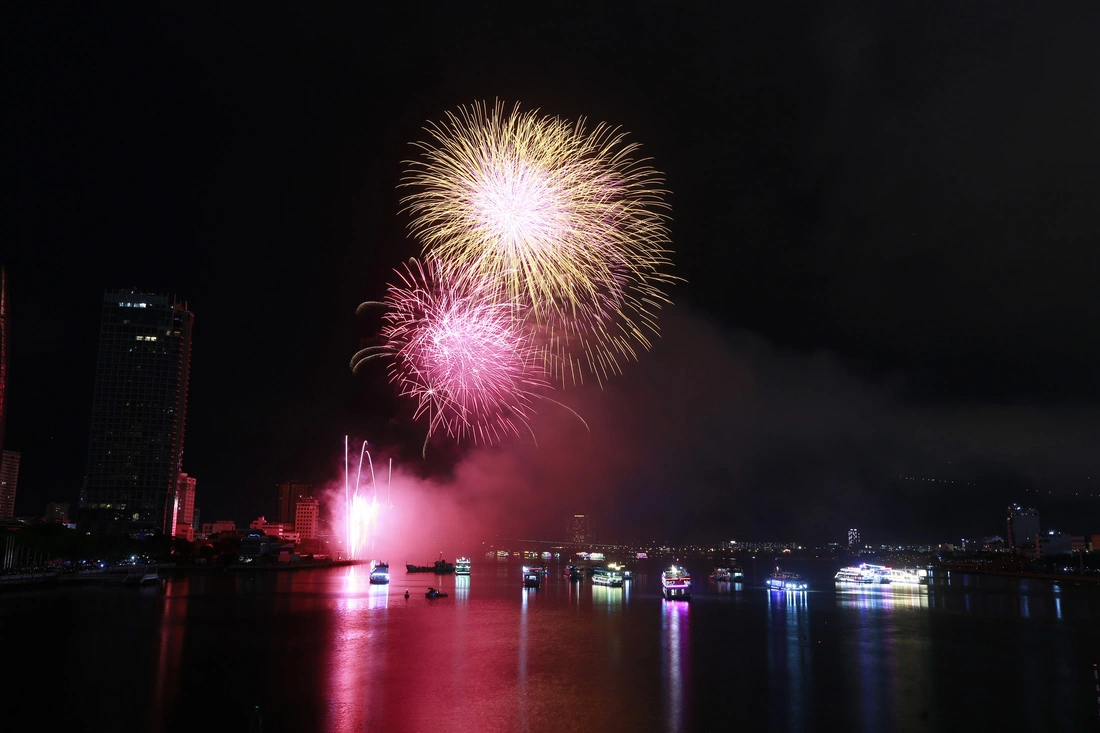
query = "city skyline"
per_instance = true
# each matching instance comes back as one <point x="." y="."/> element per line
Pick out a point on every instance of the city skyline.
<point x="885" y="260"/>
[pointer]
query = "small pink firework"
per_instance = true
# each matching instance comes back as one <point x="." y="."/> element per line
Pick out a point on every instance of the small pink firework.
<point x="462" y="354"/>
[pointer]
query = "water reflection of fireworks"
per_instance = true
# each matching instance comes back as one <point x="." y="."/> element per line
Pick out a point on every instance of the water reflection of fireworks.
<point x="360" y="511"/>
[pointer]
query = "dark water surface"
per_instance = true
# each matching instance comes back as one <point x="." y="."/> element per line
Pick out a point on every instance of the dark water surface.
<point x="322" y="650"/>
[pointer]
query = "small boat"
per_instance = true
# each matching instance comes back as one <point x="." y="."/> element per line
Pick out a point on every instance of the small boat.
<point x="575" y="573"/>
<point x="676" y="583"/>
<point x="462" y="566"/>
<point x="737" y="574"/>
<point x="433" y="593"/>
<point x="786" y="581"/>
<point x="607" y="577"/>
<point x="380" y="575"/>
<point x="721" y="575"/>
<point x="532" y="577"/>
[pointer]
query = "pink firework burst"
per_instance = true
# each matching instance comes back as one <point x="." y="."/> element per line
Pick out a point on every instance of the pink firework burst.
<point x="463" y="355"/>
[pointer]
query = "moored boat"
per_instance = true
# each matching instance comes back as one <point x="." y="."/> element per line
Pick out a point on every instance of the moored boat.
<point x="439" y="567"/>
<point x="721" y="575"/>
<point x="737" y="574"/>
<point x="462" y="566"/>
<point x="676" y="583"/>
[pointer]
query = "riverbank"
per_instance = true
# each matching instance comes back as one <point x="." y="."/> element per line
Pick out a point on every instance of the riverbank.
<point x="977" y="569"/>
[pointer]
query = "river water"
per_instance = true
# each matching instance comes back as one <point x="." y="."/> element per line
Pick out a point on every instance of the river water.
<point x="323" y="650"/>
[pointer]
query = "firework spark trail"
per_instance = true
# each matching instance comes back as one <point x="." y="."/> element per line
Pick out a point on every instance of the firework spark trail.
<point x="361" y="513"/>
<point x="460" y="353"/>
<point x="561" y="220"/>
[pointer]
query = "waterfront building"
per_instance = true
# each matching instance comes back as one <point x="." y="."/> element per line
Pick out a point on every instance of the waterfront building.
<point x="1054" y="543"/>
<point x="184" y="524"/>
<point x="9" y="480"/>
<point x="290" y="492"/>
<point x="222" y="526"/>
<point x="57" y="511"/>
<point x="1023" y="526"/>
<point x="139" y="408"/>
<point x="275" y="529"/>
<point x="306" y="518"/>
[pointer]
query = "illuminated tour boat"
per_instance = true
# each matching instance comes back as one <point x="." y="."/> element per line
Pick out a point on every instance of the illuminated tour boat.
<point x="858" y="575"/>
<point x="676" y="583"/>
<point x="462" y="566"/>
<point x="380" y="574"/>
<point x="780" y="580"/>
<point x="532" y="577"/>
<point x="721" y="575"/>
<point x="866" y="573"/>
<point x="623" y="570"/>
<point x="606" y="576"/>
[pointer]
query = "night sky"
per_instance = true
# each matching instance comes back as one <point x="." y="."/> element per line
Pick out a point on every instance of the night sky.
<point x="886" y="220"/>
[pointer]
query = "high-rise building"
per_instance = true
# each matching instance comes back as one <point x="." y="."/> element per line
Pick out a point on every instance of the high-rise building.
<point x="139" y="409"/>
<point x="580" y="529"/>
<point x="5" y="354"/>
<point x="9" y="479"/>
<point x="306" y="515"/>
<point x="854" y="540"/>
<point x="290" y="492"/>
<point x="1022" y="524"/>
<point x="184" y="525"/>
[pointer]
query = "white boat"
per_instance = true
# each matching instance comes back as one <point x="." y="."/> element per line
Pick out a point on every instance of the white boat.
<point x="676" y="583"/>
<point x="780" y="580"/>
<point x="856" y="574"/>
<point x="380" y="573"/>
<point x="462" y="566"/>
<point x="607" y="577"/>
<point x="904" y="576"/>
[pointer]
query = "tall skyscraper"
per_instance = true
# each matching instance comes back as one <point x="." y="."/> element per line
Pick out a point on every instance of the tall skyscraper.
<point x="139" y="409"/>
<point x="5" y="354"/>
<point x="854" y="541"/>
<point x="290" y="493"/>
<point x="9" y="479"/>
